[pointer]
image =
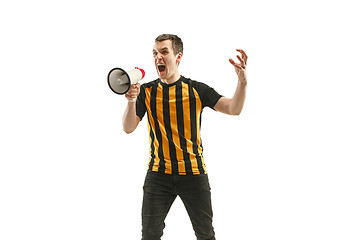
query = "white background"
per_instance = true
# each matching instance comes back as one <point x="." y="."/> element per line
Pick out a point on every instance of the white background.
<point x="286" y="168"/>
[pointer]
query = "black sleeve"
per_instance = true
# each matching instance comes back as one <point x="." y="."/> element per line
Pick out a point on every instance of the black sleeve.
<point x="209" y="97"/>
<point x="140" y="103"/>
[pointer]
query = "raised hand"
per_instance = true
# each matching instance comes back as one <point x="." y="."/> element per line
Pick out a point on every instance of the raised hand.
<point x="133" y="92"/>
<point x="240" y="68"/>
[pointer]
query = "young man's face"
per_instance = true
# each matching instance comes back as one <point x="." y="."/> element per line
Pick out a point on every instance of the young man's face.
<point x="166" y="62"/>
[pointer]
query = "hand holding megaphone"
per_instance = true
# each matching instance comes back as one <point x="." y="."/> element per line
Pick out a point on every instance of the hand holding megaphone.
<point x="120" y="81"/>
<point x="133" y="92"/>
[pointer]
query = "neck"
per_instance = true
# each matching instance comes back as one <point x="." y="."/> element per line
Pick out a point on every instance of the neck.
<point x="171" y="79"/>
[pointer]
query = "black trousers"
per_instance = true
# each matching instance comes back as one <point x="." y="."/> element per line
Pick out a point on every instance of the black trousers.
<point x="160" y="191"/>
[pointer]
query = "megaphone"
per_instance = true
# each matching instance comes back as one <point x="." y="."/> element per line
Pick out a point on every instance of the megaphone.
<point x="120" y="80"/>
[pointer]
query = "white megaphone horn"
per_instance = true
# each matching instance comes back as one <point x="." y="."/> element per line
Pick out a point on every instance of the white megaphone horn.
<point x="120" y="81"/>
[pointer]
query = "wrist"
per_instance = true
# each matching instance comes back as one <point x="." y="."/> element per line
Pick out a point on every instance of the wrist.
<point x="242" y="77"/>
<point x="132" y="101"/>
<point x="242" y="82"/>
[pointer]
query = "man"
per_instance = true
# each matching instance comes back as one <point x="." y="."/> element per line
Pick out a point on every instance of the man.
<point x="176" y="166"/>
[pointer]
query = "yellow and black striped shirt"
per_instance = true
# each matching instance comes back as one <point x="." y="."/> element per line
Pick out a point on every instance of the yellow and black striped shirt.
<point x="174" y="119"/>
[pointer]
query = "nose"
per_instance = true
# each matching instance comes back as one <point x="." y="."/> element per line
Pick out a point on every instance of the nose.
<point x="158" y="56"/>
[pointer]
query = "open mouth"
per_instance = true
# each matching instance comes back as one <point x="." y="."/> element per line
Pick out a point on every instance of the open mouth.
<point x="161" y="67"/>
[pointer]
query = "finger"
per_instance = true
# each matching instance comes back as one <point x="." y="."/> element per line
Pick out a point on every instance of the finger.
<point x="236" y="65"/>
<point x="242" y="63"/>
<point x="241" y="60"/>
<point x="135" y="84"/>
<point x="244" y="56"/>
<point x="131" y="95"/>
<point x="240" y="66"/>
<point x="232" y="62"/>
<point x="134" y="92"/>
<point x="241" y="51"/>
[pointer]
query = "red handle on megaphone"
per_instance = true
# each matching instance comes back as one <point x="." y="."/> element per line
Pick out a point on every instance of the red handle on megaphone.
<point x="142" y="71"/>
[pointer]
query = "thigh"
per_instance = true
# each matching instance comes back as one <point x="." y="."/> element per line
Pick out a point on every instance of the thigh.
<point x="157" y="201"/>
<point x="197" y="201"/>
<point x="158" y="194"/>
<point x="156" y="205"/>
<point x="199" y="208"/>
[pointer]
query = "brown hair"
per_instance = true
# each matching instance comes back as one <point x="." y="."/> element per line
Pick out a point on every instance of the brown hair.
<point x="177" y="43"/>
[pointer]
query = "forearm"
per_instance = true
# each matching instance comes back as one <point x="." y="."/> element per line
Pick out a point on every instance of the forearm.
<point x="238" y="100"/>
<point x="129" y="118"/>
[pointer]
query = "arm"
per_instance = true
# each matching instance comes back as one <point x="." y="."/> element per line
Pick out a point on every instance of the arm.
<point x="130" y="119"/>
<point x="235" y="105"/>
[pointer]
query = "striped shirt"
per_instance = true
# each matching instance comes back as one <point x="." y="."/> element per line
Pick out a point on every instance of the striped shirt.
<point x="174" y="119"/>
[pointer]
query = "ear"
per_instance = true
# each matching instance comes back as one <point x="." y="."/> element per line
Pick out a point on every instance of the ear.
<point x="178" y="58"/>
